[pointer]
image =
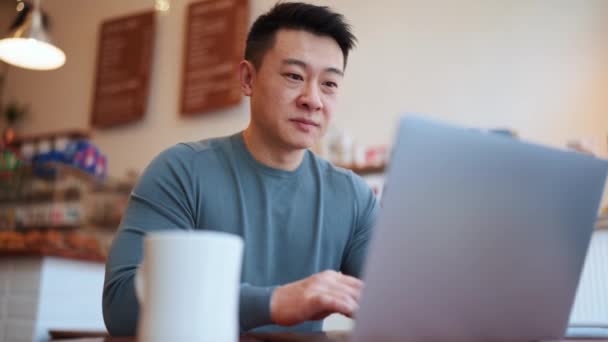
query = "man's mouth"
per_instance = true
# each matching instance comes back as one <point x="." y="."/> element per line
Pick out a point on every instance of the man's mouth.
<point x="305" y="122"/>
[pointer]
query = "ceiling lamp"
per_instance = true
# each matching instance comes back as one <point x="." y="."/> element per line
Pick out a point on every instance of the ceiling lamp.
<point x="28" y="45"/>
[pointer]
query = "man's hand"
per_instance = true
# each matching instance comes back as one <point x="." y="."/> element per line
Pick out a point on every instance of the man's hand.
<point x="315" y="297"/>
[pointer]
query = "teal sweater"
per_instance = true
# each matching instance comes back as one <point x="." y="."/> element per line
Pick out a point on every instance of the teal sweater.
<point x="294" y="223"/>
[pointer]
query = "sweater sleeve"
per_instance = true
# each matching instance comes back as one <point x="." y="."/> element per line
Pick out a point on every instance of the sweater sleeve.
<point x="366" y="210"/>
<point x="159" y="201"/>
<point x="163" y="199"/>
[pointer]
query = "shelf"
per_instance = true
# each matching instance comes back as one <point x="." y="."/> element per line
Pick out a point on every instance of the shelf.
<point x="120" y="188"/>
<point x="65" y="169"/>
<point x="104" y="224"/>
<point x="57" y="243"/>
<point x="36" y="138"/>
<point x="365" y="170"/>
<point x="50" y="252"/>
<point x="61" y="170"/>
<point x="49" y="226"/>
<point x="55" y="196"/>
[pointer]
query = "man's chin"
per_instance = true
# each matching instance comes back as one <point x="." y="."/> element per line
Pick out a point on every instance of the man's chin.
<point x="301" y="144"/>
<point x="299" y="141"/>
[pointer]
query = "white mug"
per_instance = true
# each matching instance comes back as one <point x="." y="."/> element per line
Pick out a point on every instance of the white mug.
<point x="188" y="287"/>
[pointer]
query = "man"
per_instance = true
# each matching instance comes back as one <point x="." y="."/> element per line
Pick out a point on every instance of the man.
<point x="305" y="223"/>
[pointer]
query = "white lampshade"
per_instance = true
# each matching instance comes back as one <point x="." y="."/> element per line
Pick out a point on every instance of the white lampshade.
<point x="28" y="46"/>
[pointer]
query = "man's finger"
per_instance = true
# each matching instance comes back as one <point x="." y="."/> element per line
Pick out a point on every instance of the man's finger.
<point x="337" y="302"/>
<point x="349" y="285"/>
<point x="350" y="281"/>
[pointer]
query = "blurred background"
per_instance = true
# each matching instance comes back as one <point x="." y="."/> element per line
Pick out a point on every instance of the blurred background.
<point x="537" y="69"/>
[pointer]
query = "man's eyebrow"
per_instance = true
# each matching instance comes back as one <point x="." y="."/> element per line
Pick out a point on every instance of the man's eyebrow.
<point x="293" y="61"/>
<point x="302" y="64"/>
<point x="335" y="71"/>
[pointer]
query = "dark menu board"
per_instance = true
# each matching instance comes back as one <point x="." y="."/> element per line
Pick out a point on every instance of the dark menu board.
<point x="215" y="41"/>
<point x="124" y="59"/>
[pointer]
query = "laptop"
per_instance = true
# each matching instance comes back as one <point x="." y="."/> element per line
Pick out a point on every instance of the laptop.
<point x="481" y="237"/>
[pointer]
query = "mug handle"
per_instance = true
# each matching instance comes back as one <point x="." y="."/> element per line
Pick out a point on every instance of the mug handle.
<point x="138" y="282"/>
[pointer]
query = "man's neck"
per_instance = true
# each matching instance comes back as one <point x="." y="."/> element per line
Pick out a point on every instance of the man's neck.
<point x="269" y="153"/>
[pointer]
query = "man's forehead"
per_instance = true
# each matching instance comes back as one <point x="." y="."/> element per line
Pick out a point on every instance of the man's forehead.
<point x="315" y="51"/>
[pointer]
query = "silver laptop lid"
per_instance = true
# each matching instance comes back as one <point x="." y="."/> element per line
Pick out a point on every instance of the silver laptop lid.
<point x="481" y="237"/>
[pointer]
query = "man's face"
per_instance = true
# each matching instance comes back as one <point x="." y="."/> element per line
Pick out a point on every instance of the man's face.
<point x="294" y="90"/>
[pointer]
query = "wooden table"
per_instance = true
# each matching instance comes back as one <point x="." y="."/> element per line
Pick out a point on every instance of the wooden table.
<point x="320" y="337"/>
<point x="286" y="337"/>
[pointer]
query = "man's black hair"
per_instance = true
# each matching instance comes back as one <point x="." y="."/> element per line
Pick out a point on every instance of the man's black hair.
<point x="318" y="20"/>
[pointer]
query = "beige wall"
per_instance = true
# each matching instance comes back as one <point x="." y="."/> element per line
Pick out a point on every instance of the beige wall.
<point x="538" y="66"/>
<point x="7" y="7"/>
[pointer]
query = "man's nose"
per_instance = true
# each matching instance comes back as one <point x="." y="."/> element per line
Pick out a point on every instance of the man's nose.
<point x="310" y="99"/>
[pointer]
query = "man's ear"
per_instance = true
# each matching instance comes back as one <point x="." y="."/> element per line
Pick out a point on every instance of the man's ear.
<point x="247" y="77"/>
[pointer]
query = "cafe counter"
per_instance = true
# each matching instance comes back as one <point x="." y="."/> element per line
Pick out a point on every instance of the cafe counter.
<point x="44" y="289"/>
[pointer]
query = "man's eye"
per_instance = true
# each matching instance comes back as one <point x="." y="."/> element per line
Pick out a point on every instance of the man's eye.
<point x="294" y="77"/>
<point x="331" y="84"/>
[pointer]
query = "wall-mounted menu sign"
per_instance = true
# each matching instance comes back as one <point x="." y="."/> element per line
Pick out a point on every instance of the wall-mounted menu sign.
<point x="215" y="40"/>
<point x="124" y="58"/>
